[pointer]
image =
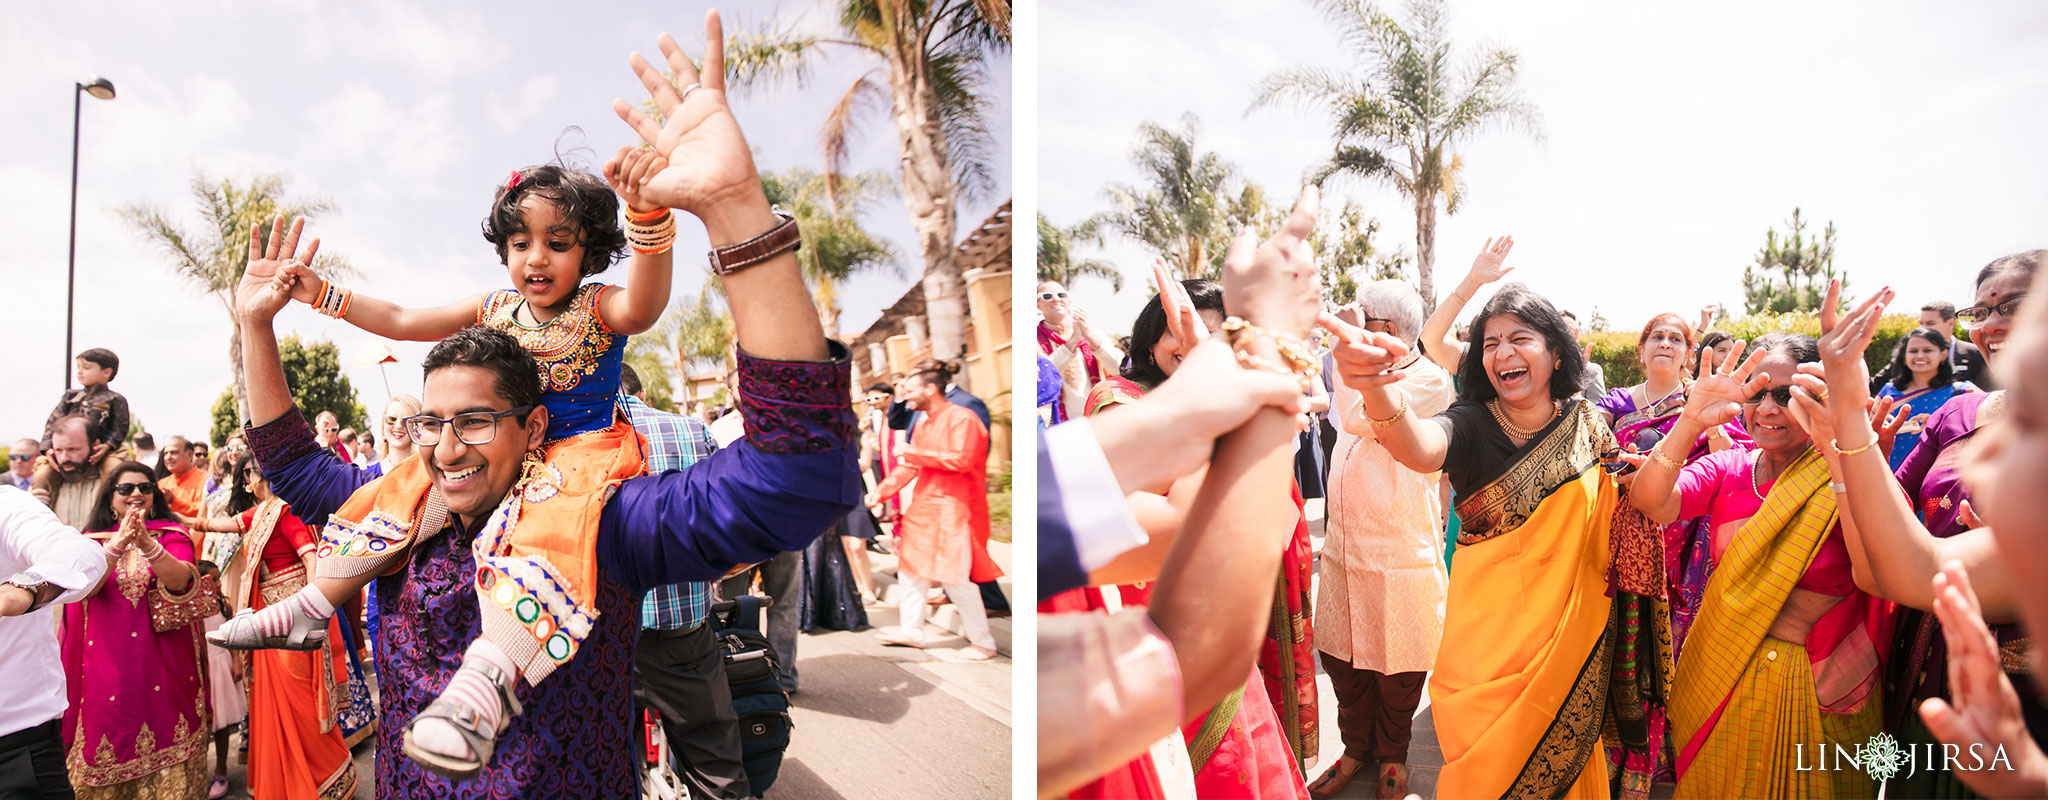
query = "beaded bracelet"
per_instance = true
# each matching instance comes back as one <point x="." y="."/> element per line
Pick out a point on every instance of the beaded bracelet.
<point x="651" y="235"/>
<point x="334" y="300"/>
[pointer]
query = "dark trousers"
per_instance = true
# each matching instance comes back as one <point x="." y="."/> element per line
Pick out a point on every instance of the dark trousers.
<point x="32" y="764"/>
<point x="1375" y="712"/>
<point x="781" y="579"/>
<point x="681" y="675"/>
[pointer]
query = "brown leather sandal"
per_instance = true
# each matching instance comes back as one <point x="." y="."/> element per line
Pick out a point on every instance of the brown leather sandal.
<point x="1335" y="779"/>
<point x="1393" y="783"/>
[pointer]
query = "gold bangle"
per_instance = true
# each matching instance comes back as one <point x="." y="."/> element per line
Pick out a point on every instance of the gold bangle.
<point x="1389" y="422"/>
<point x="1293" y="351"/>
<point x="1837" y="444"/>
<point x="1657" y="455"/>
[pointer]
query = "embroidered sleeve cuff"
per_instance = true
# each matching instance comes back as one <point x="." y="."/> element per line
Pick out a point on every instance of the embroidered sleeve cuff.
<point x="798" y="406"/>
<point x="282" y="440"/>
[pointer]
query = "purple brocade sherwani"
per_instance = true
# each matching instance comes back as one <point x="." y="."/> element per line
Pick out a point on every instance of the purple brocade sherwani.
<point x="791" y="480"/>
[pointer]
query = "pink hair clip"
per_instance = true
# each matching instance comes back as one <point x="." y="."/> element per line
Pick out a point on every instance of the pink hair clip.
<point x="513" y="181"/>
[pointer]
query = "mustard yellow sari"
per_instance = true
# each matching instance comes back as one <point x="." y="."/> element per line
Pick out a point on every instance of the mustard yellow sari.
<point x="1748" y="707"/>
<point x="1520" y="692"/>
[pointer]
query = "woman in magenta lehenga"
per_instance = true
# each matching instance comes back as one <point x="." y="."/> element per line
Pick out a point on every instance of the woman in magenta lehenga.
<point x="1641" y="415"/>
<point x="138" y="722"/>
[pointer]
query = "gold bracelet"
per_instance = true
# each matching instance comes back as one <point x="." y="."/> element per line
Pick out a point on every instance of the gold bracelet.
<point x="1263" y="364"/>
<point x="1657" y="455"/>
<point x="1389" y="422"/>
<point x="1837" y="444"/>
<point x="1293" y="350"/>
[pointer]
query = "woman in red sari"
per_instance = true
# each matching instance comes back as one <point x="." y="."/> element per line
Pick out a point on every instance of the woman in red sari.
<point x="138" y="720"/>
<point x="1253" y="743"/>
<point x="296" y="751"/>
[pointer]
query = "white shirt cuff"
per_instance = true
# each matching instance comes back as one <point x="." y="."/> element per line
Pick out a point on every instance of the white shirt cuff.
<point x="1101" y="522"/>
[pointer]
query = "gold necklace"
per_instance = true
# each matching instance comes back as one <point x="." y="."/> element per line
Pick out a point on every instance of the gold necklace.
<point x="1754" y="487"/>
<point x="1517" y="431"/>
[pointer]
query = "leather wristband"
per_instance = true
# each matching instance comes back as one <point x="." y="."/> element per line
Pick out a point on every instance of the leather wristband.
<point x="783" y="238"/>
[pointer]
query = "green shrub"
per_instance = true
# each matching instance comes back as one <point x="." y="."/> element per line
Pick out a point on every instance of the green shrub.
<point x="1615" y="351"/>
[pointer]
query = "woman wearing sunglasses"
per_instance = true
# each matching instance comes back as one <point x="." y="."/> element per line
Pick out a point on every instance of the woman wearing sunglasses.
<point x="296" y="747"/>
<point x="397" y="443"/>
<point x="1785" y="647"/>
<point x="137" y="725"/>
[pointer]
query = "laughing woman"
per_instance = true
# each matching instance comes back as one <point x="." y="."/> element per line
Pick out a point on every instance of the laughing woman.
<point x="138" y="721"/>
<point x="1785" y="652"/>
<point x="1521" y="681"/>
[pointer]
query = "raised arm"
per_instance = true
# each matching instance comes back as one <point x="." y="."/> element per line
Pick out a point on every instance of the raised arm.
<point x="1365" y="362"/>
<point x="636" y="306"/>
<point x="1714" y="399"/>
<point x="383" y="317"/>
<point x="314" y="485"/>
<point x="1902" y="556"/>
<point x="788" y="480"/>
<point x="710" y="173"/>
<point x="1437" y="342"/>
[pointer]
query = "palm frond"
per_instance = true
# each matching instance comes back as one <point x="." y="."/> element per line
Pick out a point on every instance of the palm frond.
<point x="865" y="94"/>
<point x="771" y="54"/>
<point x="959" y="82"/>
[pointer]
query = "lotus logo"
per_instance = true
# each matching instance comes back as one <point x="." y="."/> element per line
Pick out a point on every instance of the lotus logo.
<point x="1882" y="757"/>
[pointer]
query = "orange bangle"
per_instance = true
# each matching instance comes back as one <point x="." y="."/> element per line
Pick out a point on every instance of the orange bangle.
<point x="645" y="216"/>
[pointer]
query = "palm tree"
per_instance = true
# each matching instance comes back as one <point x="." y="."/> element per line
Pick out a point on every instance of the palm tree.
<point x="1056" y="259"/>
<point x="1399" y="118"/>
<point x="213" y="256"/>
<point x="930" y="67"/>
<point x="1183" y="212"/>
<point x="688" y="333"/>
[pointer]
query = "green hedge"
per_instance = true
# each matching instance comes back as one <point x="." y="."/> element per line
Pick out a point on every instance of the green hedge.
<point x="1615" y="351"/>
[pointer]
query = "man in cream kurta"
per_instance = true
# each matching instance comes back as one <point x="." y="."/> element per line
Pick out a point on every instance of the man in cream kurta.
<point x="1380" y="608"/>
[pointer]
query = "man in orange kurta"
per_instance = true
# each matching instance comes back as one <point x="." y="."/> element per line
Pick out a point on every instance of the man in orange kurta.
<point x="947" y="513"/>
<point x="184" y="488"/>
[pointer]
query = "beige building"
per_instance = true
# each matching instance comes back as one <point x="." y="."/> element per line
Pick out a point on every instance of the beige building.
<point x="898" y="340"/>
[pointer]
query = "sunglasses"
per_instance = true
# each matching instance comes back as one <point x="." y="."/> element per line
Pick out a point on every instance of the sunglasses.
<point x="125" y="489"/>
<point x="1782" y="394"/>
<point x="1052" y="295"/>
<point x="1976" y="317"/>
<point x="19" y="457"/>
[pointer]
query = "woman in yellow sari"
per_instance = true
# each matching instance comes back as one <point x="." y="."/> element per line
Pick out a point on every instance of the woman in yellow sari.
<point x="1783" y="663"/>
<point x="296" y="750"/>
<point x="1530" y="652"/>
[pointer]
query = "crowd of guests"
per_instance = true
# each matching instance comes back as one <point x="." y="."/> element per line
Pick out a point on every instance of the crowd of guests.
<point x="505" y="553"/>
<point x="1710" y="578"/>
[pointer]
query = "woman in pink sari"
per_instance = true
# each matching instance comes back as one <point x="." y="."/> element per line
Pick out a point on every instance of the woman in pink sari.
<point x="138" y="722"/>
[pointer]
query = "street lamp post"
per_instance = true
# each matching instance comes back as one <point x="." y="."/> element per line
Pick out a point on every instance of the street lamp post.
<point x="103" y="89"/>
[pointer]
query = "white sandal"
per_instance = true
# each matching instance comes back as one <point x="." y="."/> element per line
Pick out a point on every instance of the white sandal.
<point x="469" y="724"/>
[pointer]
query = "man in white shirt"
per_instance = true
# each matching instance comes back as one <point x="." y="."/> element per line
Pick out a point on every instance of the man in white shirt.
<point x="46" y="564"/>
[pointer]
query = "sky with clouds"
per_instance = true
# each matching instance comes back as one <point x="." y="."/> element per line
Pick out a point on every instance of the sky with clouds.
<point x="1675" y="135"/>
<point x="406" y="116"/>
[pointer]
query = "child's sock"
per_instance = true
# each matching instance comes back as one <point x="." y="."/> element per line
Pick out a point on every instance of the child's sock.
<point x="471" y="688"/>
<point x="304" y="612"/>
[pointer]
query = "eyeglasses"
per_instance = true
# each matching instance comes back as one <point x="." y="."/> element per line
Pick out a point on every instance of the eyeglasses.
<point x="476" y="427"/>
<point x="19" y="457"/>
<point x="125" y="489"/>
<point x="389" y="420"/>
<point x="239" y="448"/>
<point x="252" y="475"/>
<point x="878" y="398"/>
<point x="1782" y="394"/>
<point x="1052" y="295"/>
<point x="1976" y="317"/>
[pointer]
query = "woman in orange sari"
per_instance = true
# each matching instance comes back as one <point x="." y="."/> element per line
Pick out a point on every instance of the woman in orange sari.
<point x="296" y="750"/>
<point x="1532" y="646"/>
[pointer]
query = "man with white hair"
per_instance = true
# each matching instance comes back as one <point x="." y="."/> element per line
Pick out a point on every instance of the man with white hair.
<point x="1380" y="605"/>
